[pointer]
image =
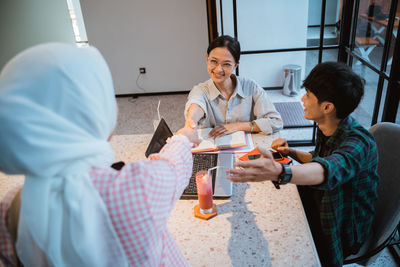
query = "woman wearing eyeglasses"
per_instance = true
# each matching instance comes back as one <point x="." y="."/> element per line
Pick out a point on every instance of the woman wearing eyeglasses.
<point x="226" y="102"/>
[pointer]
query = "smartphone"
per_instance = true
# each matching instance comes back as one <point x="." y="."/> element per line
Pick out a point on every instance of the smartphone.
<point x="255" y="156"/>
<point x="277" y="155"/>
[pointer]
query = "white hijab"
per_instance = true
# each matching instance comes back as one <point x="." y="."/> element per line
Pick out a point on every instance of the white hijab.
<point x="57" y="109"/>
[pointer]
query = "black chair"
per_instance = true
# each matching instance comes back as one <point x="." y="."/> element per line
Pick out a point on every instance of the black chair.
<point x="385" y="227"/>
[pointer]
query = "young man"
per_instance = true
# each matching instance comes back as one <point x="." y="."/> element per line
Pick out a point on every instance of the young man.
<point x="338" y="180"/>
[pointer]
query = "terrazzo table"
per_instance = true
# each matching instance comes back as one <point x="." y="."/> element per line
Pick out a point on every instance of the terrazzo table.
<point x="257" y="226"/>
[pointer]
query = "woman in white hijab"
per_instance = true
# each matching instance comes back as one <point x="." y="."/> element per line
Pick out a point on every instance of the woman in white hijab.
<point x="57" y="112"/>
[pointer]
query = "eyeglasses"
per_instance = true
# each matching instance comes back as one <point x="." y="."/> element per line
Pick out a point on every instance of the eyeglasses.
<point x="225" y="66"/>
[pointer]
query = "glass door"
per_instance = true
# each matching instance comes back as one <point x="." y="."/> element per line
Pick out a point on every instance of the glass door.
<point x="370" y="45"/>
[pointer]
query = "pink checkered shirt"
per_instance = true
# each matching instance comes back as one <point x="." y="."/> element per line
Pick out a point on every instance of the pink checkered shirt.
<point x="139" y="199"/>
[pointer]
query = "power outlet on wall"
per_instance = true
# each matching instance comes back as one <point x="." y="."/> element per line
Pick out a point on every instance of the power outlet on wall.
<point x="142" y="70"/>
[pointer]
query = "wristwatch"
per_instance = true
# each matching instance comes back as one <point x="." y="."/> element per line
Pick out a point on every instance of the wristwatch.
<point x="251" y="126"/>
<point x="284" y="177"/>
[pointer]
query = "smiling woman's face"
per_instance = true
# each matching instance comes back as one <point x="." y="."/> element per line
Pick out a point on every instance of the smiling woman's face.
<point x="220" y="64"/>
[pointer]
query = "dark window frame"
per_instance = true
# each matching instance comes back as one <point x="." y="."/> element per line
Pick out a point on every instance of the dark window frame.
<point x="346" y="54"/>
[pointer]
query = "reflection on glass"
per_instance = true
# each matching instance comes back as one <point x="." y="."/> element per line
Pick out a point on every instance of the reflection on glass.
<point x="330" y="55"/>
<point x="332" y="15"/>
<point x="313" y="35"/>
<point x="363" y="113"/>
<point x="382" y="102"/>
<point x="371" y="31"/>
<point x="331" y="35"/>
<point x="311" y="60"/>
<point x="393" y="37"/>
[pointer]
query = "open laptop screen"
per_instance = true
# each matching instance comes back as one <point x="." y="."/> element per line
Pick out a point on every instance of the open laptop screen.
<point x="159" y="138"/>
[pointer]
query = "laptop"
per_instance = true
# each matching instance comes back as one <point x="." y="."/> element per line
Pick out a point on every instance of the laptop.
<point x="222" y="188"/>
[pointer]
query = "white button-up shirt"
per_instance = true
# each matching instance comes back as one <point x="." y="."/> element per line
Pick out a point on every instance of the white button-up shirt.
<point x="248" y="102"/>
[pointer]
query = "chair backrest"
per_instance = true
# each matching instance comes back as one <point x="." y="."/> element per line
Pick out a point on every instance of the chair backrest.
<point x="387" y="216"/>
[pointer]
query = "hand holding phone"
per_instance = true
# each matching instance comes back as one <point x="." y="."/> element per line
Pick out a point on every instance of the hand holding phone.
<point x="277" y="155"/>
<point x="255" y="154"/>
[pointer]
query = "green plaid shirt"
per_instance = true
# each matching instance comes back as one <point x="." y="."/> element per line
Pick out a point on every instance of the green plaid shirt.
<point x="350" y="160"/>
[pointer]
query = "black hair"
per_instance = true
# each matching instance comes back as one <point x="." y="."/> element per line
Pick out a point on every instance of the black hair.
<point x="335" y="82"/>
<point x="229" y="42"/>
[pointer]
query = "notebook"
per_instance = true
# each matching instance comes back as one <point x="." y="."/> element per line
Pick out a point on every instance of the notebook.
<point x="233" y="140"/>
<point x="222" y="188"/>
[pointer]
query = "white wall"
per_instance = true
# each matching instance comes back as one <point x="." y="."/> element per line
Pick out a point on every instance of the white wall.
<point x="168" y="38"/>
<point x="25" y="23"/>
<point x="268" y="24"/>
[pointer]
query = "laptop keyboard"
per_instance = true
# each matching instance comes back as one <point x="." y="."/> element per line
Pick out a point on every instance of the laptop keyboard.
<point x="200" y="162"/>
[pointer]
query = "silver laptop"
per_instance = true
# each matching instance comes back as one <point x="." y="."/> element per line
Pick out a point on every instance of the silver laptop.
<point x="222" y="188"/>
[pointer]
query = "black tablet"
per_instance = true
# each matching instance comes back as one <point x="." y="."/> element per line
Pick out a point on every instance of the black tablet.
<point x="159" y="138"/>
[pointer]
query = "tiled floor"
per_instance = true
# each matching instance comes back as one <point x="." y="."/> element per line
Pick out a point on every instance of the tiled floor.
<point x="314" y="32"/>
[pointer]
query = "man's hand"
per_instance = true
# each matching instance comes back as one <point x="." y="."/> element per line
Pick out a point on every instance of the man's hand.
<point x="281" y="146"/>
<point x="191" y="134"/>
<point x="258" y="170"/>
<point x="222" y="130"/>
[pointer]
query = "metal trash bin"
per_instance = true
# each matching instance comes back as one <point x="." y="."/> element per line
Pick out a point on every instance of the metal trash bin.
<point x="291" y="82"/>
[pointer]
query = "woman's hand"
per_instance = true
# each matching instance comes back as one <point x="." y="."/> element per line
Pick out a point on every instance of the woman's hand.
<point x="195" y="113"/>
<point x="189" y="123"/>
<point x="223" y="129"/>
<point x="191" y="134"/>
